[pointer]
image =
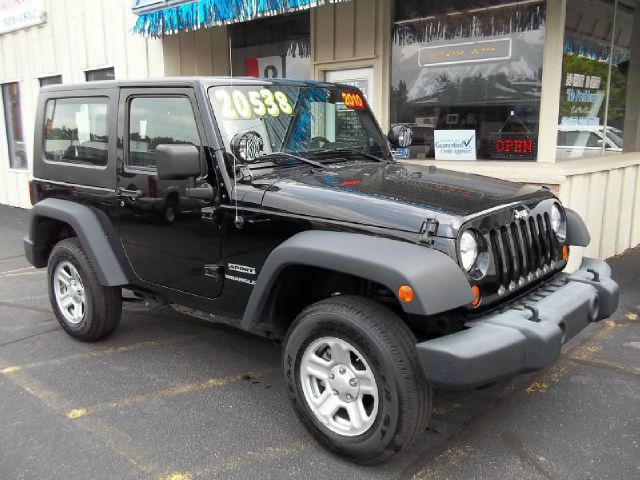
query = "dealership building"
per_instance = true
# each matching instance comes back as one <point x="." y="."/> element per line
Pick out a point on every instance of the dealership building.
<point x="535" y="91"/>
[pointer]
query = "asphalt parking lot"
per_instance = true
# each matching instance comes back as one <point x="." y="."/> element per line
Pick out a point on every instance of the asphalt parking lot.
<point x="172" y="397"/>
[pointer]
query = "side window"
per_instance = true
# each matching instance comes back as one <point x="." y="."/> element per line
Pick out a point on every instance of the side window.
<point x="76" y="130"/>
<point x="155" y="121"/>
<point x="562" y="139"/>
<point x="594" y="141"/>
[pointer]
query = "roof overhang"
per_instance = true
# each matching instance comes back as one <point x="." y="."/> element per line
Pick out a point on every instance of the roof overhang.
<point x="164" y="17"/>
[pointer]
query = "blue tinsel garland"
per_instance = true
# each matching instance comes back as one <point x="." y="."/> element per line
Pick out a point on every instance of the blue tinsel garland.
<point x="205" y="13"/>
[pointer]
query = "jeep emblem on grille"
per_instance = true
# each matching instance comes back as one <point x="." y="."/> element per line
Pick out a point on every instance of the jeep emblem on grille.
<point x="518" y="214"/>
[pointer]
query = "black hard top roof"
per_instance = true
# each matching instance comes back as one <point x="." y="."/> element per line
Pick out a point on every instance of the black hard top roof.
<point x="180" y="82"/>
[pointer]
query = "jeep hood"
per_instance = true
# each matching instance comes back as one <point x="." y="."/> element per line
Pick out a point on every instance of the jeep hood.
<point x="396" y="196"/>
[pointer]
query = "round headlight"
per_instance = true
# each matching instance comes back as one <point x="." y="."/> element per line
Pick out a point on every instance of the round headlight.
<point x="468" y="250"/>
<point x="558" y="222"/>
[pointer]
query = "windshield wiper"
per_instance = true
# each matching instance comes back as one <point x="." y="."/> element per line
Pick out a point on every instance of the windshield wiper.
<point x="291" y="155"/>
<point x="364" y="154"/>
<point x="349" y="150"/>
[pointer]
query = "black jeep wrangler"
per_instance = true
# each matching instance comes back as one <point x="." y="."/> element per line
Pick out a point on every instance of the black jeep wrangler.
<point x="277" y="206"/>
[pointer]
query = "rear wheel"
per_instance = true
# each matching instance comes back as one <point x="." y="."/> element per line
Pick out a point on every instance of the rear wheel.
<point x="84" y="308"/>
<point x="354" y="379"/>
<point x="169" y="211"/>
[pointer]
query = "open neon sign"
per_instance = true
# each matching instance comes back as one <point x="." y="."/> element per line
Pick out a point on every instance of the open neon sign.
<point x="514" y="146"/>
<point x="518" y="145"/>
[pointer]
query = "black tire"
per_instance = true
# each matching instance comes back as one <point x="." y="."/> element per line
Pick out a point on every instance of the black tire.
<point x="103" y="305"/>
<point x="389" y="348"/>
<point x="169" y="211"/>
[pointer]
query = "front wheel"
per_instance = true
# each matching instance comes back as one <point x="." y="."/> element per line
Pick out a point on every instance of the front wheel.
<point x="354" y="379"/>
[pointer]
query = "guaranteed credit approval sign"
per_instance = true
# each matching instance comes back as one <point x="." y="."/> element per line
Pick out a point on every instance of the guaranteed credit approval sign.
<point x="18" y="14"/>
<point x="455" y="144"/>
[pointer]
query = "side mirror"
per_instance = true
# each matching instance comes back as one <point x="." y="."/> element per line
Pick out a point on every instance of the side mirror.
<point x="400" y="136"/>
<point x="177" y="162"/>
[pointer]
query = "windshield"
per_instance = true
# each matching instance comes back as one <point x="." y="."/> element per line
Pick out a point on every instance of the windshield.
<point x="274" y="120"/>
<point x="615" y="136"/>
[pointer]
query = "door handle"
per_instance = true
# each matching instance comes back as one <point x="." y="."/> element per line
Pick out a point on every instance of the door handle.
<point x="124" y="193"/>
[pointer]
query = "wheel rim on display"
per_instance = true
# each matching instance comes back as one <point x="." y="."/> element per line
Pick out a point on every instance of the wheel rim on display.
<point x="339" y="386"/>
<point x="69" y="292"/>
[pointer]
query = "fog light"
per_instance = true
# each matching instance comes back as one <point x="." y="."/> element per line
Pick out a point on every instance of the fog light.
<point x="405" y="293"/>
<point x="565" y="252"/>
<point x="476" y="296"/>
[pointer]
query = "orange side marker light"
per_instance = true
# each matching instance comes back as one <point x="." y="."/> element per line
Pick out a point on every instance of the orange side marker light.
<point x="476" y="296"/>
<point x="405" y="293"/>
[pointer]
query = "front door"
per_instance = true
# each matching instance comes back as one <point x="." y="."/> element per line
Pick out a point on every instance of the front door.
<point x="170" y="239"/>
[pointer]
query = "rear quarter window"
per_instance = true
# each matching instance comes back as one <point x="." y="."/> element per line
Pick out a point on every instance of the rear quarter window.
<point x="76" y="130"/>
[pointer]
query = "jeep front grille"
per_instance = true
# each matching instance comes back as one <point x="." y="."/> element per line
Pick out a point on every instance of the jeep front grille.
<point x="523" y="250"/>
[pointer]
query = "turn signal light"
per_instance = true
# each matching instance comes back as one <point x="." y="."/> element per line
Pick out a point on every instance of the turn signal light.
<point x="565" y="252"/>
<point x="476" y="296"/>
<point x="33" y="193"/>
<point x="405" y="293"/>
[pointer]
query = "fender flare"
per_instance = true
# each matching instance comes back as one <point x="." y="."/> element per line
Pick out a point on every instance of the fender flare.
<point x="438" y="282"/>
<point x="93" y="238"/>
<point x="577" y="232"/>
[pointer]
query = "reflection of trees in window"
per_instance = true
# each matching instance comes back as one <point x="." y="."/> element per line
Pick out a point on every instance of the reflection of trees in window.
<point x="155" y="141"/>
<point x="493" y="22"/>
<point x="399" y="99"/>
<point x="63" y="133"/>
<point x="496" y="89"/>
<point x="591" y="66"/>
<point x="67" y="133"/>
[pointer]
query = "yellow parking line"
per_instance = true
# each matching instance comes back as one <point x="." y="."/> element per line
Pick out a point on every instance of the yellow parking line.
<point x="17" y="270"/>
<point x="445" y="409"/>
<point x="453" y="456"/>
<point x="611" y="366"/>
<point x="114" y="439"/>
<point x="582" y="353"/>
<point x="77" y="413"/>
<point x="102" y="353"/>
<point x="37" y="272"/>
<point x="253" y="458"/>
<point x="174" y="391"/>
<point x="545" y="381"/>
<point x="20" y="299"/>
<point x="178" y="476"/>
<point x="13" y="369"/>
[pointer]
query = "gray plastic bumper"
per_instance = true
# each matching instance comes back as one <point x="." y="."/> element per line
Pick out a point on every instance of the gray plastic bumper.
<point x="524" y="336"/>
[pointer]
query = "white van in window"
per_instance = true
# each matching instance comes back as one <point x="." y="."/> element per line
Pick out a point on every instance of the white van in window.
<point x="576" y="141"/>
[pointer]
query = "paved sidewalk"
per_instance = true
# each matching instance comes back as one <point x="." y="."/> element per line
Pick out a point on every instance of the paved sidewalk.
<point x="169" y="396"/>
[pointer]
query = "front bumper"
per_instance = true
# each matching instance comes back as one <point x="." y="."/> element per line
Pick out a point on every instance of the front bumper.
<point x="526" y="334"/>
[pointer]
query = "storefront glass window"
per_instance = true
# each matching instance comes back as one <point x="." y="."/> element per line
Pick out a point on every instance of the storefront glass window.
<point x="52" y="80"/>
<point x="274" y="47"/>
<point x="466" y="76"/>
<point x="596" y="78"/>
<point x="100" y="74"/>
<point x="13" y="126"/>
<point x="624" y="104"/>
